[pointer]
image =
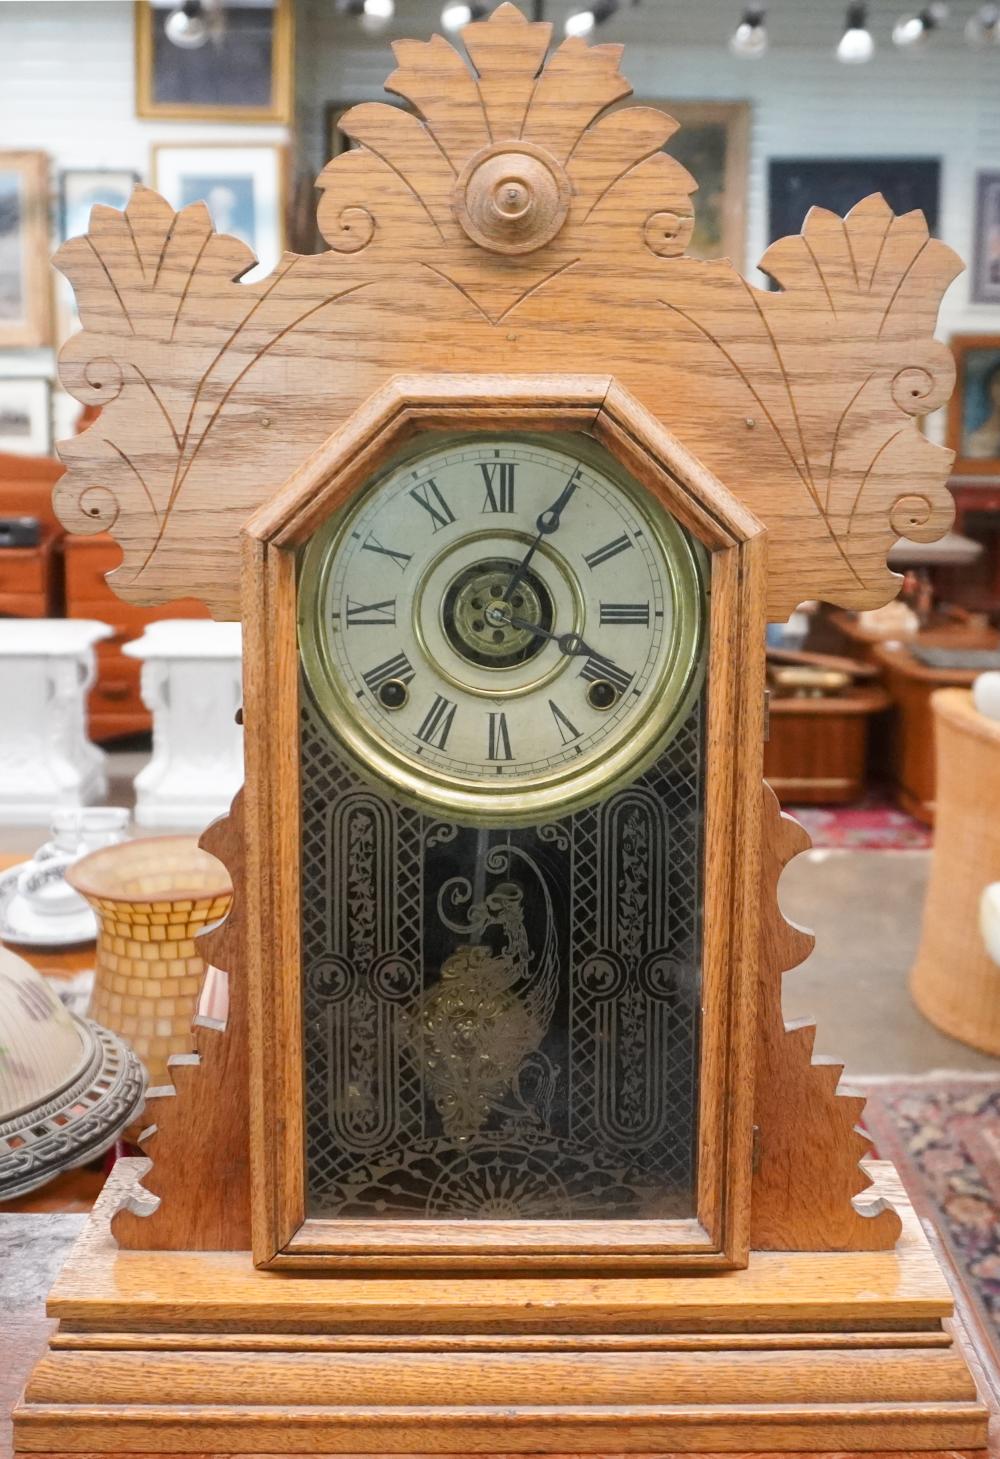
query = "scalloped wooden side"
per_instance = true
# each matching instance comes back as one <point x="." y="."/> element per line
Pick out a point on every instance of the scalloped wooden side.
<point x="807" y="1182"/>
<point x="199" y="1143"/>
<point x="808" y="1186"/>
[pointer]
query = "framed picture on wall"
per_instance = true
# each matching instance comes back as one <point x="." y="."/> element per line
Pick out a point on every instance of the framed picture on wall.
<point x="244" y="188"/>
<point x="81" y="188"/>
<point x="243" y="72"/>
<point x="986" y="240"/>
<point x="26" y="415"/>
<point x="25" y="284"/>
<point x="974" y="408"/>
<point x="797" y="183"/>
<point x="713" y="144"/>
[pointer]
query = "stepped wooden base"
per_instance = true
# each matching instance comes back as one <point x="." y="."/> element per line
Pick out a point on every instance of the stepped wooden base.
<point x="198" y="1352"/>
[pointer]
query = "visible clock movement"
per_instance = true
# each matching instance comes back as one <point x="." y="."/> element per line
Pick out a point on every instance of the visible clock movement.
<point x="503" y="626"/>
<point x="504" y="1146"/>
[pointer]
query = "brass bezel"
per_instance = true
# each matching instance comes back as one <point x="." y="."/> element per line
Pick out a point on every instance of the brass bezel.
<point x="642" y="737"/>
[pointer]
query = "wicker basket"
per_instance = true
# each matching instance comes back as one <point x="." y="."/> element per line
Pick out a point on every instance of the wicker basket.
<point x="955" y="983"/>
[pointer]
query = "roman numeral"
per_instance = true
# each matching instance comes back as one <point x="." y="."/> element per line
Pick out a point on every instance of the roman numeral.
<point x="625" y="613"/>
<point x="401" y="559"/>
<point x="568" y="731"/>
<point x="598" y="667"/>
<point x="498" y="479"/>
<point x="398" y="667"/>
<point x="370" y="614"/>
<point x="432" y="501"/>
<point x="609" y="550"/>
<point x="437" y="722"/>
<point x="499" y="739"/>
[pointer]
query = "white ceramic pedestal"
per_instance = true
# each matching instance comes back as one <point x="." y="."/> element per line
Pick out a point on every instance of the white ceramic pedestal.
<point x="47" y="666"/>
<point x="192" y="684"/>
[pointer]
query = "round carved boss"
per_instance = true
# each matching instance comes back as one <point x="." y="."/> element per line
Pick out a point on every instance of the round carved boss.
<point x="512" y="197"/>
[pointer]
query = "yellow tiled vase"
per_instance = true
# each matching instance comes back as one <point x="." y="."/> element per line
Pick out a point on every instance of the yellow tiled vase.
<point x="152" y="898"/>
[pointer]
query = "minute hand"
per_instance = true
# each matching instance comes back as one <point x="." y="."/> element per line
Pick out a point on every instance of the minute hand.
<point x="569" y="643"/>
<point x="545" y="523"/>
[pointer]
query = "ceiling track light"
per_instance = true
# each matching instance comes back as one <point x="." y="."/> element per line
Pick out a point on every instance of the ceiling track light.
<point x="457" y="14"/>
<point x="749" y="39"/>
<point x="194" y="23"/>
<point x="582" y="22"/>
<point x="856" y="45"/>
<point x="914" y="30"/>
<point x="373" y="15"/>
<point x="983" y="28"/>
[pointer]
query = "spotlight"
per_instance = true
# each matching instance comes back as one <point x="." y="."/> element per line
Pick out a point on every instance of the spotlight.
<point x="455" y="15"/>
<point x="856" y="45"/>
<point x="582" y="22"/>
<point x="913" y="30"/>
<point x="749" y="39"/>
<point x="187" y="26"/>
<point x="373" y="15"/>
<point x="983" y="28"/>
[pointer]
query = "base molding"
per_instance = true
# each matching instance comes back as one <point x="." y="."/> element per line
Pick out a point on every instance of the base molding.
<point x="198" y="1353"/>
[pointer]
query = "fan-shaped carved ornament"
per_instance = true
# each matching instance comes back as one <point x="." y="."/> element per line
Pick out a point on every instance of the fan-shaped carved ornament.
<point x="512" y="220"/>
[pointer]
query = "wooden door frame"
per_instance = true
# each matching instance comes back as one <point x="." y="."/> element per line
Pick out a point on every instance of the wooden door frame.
<point x="736" y="542"/>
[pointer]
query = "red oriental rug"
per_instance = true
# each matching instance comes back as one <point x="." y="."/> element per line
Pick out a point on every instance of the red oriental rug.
<point x="942" y="1131"/>
<point x="873" y="824"/>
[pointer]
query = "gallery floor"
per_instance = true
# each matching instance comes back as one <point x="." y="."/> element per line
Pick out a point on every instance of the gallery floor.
<point x="865" y="909"/>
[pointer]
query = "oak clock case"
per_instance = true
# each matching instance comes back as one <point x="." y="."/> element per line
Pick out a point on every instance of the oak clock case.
<point x="502" y="641"/>
<point x="498" y="1151"/>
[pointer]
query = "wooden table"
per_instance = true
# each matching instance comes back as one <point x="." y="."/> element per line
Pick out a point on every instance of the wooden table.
<point x="910" y="685"/>
<point x="906" y="756"/>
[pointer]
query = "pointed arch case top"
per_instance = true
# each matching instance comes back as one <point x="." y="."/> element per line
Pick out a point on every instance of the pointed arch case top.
<point x="513" y="219"/>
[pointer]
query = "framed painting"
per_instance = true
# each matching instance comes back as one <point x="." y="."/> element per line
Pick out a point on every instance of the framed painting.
<point x="986" y="240"/>
<point x="243" y="188"/>
<point x="82" y="188"/>
<point x="25" y="293"/>
<point x="795" y="184"/>
<point x="26" y="415"/>
<point x="974" y="408"/>
<point x="243" y="73"/>
<point x="713" y="145"/>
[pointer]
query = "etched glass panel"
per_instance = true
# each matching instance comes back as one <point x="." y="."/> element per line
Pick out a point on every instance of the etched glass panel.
<point x="501" y="1024"/>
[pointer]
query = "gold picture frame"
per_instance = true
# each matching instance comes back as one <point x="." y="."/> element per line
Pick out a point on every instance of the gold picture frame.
<point x="148" y="39"/>
<point x="25" y="277"/>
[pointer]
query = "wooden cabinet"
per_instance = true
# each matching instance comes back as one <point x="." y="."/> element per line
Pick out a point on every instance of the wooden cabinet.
<point x="816" y="749"/>
<point x="115" y="705"/>
<point x="30" y="577"/>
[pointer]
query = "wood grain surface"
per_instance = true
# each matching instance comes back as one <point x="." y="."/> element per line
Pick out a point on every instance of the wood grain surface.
<point x="809" y="1191"/>
<point x="802" y="401"/>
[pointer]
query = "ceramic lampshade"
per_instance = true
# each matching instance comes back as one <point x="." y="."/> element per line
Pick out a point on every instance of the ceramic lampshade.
<point x="68" y="1087"/>
<point x="152" y="898"/>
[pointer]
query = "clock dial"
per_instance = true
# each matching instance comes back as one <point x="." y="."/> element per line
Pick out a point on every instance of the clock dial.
<point x="502" y="624"/>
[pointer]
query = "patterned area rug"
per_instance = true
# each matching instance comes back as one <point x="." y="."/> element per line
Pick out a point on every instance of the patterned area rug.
<point x="873" y="824"/>
<point x="943" y="1134"/>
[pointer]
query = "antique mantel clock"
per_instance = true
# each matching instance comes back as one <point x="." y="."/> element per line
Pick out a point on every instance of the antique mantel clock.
<point x="504" y="1146"/>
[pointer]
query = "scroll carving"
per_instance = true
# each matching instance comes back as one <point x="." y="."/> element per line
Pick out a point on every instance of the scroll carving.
<point x="510" y="216"/>
<point x="809" y="1192"/>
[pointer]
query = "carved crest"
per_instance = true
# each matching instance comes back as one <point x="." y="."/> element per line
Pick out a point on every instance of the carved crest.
<point x="514" y="219"/>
